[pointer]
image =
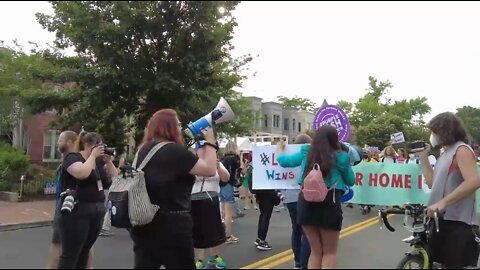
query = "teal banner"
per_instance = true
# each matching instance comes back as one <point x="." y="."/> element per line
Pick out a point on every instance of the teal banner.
<point x="389" y="184"/>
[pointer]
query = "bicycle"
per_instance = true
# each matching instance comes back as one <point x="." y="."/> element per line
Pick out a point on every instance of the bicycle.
<point x="419" y="240"/>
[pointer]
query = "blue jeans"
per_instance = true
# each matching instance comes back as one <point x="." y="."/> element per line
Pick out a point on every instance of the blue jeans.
<point x="300" y="245"/>
<point x="227" y="194"/>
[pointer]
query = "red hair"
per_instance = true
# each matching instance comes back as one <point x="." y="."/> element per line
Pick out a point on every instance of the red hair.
<point x="163" y="126"/>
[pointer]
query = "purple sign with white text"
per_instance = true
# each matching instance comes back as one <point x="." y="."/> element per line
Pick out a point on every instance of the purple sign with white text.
<point x="333" y="116"/>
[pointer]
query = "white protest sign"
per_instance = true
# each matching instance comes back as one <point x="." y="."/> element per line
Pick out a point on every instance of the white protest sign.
<point x="268" y="174"/>
<point x="397" y="138"/>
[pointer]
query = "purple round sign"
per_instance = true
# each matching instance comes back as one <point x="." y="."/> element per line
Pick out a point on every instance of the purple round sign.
<point x="334" y="116"/>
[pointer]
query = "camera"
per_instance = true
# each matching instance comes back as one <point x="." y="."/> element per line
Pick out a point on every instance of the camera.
<point x="68" y="197"/>
<point x="280" y="196"/>
<point x="417" y="146"/>
<point x="108" y="150"/>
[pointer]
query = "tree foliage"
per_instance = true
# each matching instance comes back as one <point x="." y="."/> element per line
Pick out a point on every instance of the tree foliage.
<point x="20" y="74"/>
<point x="471" y="119"/>
<point x="141" y="56"/>
<point x="297" y="103"/>
<point x="375" y="117"/>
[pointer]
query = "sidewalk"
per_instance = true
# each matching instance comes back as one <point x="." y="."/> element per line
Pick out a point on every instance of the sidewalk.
<point x="25" y="214"/>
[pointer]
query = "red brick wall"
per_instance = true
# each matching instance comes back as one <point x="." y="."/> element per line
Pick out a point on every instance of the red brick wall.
<point x="36" y="125"/>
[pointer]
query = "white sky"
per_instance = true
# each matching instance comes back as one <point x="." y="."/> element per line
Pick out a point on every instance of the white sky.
<point x="327" y="50"/>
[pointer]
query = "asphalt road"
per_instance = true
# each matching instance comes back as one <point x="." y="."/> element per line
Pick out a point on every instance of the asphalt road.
<point x="360" y="247"/>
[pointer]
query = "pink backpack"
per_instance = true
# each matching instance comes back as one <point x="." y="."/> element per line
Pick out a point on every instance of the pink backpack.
<point x="314" y="188"/>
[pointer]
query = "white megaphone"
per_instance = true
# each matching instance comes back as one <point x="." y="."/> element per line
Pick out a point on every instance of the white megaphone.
<point x="221" y="114"/>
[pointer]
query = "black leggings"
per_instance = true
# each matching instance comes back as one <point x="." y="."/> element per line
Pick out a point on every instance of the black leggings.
<point x="166" y="241"/>
<point x="265" y="203"/>
<point x="154" y="257"/>
<point x="78" y="231"/>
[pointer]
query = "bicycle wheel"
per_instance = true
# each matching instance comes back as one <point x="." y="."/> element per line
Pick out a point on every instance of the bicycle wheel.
<point x="411" y="261"/>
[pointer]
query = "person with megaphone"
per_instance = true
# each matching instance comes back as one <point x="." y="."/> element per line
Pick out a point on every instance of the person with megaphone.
<point x="170" y="175"/>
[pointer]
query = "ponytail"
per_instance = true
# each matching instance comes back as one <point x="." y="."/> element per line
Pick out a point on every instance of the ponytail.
<point x="79" y="145"/>
<point x="91" y="138"/>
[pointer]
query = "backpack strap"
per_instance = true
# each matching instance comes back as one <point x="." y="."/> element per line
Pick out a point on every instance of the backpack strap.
<point x="149" y="156"/>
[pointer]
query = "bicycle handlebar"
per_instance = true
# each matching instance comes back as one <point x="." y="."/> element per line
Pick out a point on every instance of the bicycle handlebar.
<point x="383" y="215"/>
<point x="437" y="215"/>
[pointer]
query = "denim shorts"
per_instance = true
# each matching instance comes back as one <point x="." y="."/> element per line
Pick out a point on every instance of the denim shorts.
<point x="227" y="194"/>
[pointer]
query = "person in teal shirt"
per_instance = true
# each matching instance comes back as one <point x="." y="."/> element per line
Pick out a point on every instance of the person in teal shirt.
<point x="322" y="221"/>
<point x="300" y="245"/>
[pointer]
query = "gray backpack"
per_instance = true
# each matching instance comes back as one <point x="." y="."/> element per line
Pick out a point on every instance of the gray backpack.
<point x="128" y="201"/>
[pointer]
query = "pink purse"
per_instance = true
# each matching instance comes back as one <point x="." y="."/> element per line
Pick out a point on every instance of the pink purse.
<point x="314" y="188"/>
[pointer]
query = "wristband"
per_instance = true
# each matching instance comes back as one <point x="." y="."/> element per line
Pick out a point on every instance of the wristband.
<point x="211" y="145"/>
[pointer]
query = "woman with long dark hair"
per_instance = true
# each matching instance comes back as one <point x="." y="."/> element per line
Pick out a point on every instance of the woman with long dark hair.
<point x="169" y="176"/>
<point x="322" y="221"/>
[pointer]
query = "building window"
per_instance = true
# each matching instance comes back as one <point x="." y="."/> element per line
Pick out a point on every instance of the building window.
<point x="299" y="127"/>
<point x="50" y="147"/>
<point x="286" y="124"/>
<point x="265" y="117"/>
<point x="293" y="125"/>
<point x="276" y="121"/>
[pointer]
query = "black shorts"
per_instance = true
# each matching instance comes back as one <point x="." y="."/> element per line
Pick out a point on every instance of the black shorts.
<point x="454" y="246"/>
<point x="327" y="214"/>
<point x="208" y="229"/>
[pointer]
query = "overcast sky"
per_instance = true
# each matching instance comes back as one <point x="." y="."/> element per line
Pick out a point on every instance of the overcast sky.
<point x="327" y="50"/>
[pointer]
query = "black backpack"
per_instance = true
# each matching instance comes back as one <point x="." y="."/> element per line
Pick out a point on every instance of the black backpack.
<point x="232" y="164"/>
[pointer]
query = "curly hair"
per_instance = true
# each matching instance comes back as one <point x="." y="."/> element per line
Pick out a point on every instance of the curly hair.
<point x="449" y="128"/>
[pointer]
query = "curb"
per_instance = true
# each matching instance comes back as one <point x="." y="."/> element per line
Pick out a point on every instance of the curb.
<point x="21" y="226"/>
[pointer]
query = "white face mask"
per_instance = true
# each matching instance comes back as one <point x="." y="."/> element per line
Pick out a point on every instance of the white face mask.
<point x="433" y="140"/>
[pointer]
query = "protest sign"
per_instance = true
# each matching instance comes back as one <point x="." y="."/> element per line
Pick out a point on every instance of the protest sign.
<point x="389" y="184"/>
<point x="398" y="137"/>
<point x="334" y="116"/>
<point x="375" y="183"/>
<point x="268" y="174"/>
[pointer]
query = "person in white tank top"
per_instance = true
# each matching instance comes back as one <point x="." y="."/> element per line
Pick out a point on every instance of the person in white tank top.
<point x="212" y="186"/>
<point x="212" y="183"/>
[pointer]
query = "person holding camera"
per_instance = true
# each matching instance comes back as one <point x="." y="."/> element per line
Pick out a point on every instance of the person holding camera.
<point x="83" y="208"/>
<point x="453" y="181"/>
<point x="170" y="176"/>
<point x="66" y="144"/>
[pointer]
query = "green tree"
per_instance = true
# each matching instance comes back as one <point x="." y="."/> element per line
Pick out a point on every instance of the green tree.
<point x="375" y="117"/>
<point x="346" y="106"/>
<point x="377" y="133"/>
<point x="297" y="103"/>
<point x="471" y="119"/>
<point x="147" y="55"/>
<point x="20" y="74"/>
